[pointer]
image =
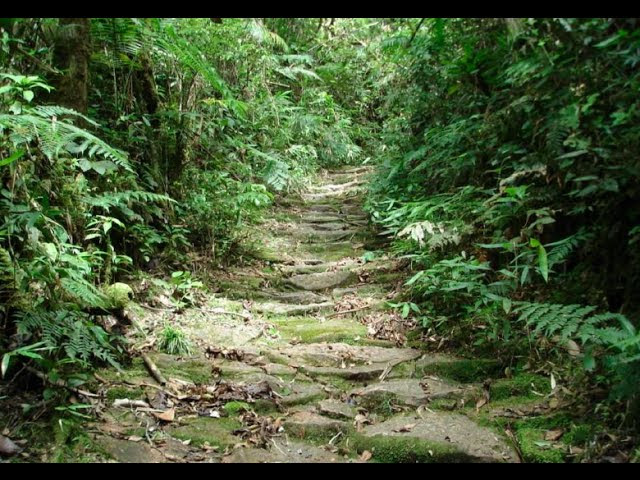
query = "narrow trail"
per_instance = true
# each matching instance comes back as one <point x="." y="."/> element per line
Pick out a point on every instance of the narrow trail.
<point x="307" y="344"/>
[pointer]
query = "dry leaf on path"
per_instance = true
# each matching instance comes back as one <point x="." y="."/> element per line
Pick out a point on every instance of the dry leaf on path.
<point x="554" y="435"/>
<point x="407" y="428"/>
<point x="366" y="456"/>
<point x="167" y="416"/>
<point x="7" y="447"/>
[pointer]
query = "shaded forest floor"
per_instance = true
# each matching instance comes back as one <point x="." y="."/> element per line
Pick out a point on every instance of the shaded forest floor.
<point x="299" y="359"/>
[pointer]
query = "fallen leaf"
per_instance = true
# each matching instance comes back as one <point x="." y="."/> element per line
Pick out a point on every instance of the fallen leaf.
<point x="407" y="428"/>
<point x="554" y="435"/>
<point x="134" y="438"/>
<point x="366" y="456"/>
<point x="7" y="447"/>
<point x="167" y="416"/>
<point x="481" y="403"/>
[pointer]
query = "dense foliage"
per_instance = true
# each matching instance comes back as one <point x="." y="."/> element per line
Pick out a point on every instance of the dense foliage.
<point x="187" y="129"/>
<point x="510" y="182"/>
<point x="507" y="175"/>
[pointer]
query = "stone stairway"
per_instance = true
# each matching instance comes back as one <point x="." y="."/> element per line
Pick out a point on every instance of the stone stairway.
<point x="299" y="324"/>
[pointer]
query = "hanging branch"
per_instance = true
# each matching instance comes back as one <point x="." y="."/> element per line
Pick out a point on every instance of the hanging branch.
<point x="415" y="31"/>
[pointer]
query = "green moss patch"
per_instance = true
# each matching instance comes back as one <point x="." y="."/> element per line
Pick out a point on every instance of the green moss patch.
<point x="214" y="431"/>
<point x="196" y="370"/>
<point x="311" y="330"/>
<point x="387" y="449"/>
<point x="462" y="370"/>
<point x="522" y="385"/>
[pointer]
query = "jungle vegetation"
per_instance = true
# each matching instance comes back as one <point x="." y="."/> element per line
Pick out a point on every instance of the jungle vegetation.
<point x="506" y="177"/>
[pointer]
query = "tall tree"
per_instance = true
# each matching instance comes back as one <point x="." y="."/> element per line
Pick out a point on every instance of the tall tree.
<point x="71" y="55"/>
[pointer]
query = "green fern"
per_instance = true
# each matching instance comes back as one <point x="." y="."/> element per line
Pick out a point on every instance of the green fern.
<point x="611" y="331"/>
<point x="69" y="333"/>
<point x="560" y="251"/>
<point x="276" y="174"/>
<point x="54" y="135"/>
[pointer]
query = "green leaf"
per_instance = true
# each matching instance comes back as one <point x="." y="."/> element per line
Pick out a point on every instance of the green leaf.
<point x="27" y="95"/>
<point x="543" y="261"/>
<point x="17" y="155"/>
<point x="5" y="364"/>
<point x="51" y="251"/>
<point x="405" y="310"/>
<point x="589" y="362"/>
<point x="506" y="305"/>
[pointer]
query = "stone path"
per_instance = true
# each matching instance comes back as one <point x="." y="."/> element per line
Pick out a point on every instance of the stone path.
<point x="321" y="386"/>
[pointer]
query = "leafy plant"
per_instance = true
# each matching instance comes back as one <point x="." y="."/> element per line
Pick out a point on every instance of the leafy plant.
<point x="174" y="342"/>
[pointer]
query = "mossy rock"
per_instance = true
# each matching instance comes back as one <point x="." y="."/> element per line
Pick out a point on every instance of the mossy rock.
<point x="460" y="370"/>
<point x="407" y="450"/>
<point x="311" y="426"/>
<point x="433" y="437"/>
<point x="311" y="330"/>
<point x="195" y="369"/>
<point x="118" y="295"/>
<point x="522" y="384"/>
<point x="535" y="449"/>
<point x="234" y="407"/>
<point x="132" y="393"/>
<point x="217" y="432"/>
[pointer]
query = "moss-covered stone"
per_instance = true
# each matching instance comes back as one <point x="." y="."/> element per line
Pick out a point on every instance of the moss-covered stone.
<point x="522" y="384"/>
<point x="196" y="370"/>
<point x="461" y="370"/>
<point x="234" y="408"/>
<point x="311" y="426"/>
<point x="118" y="295"/>
<point x="535" y="449"/>
<point x="311" y="330"/>
<point x="406" y="450"/>
<point x="214" y="431"/>
<point x="133" y="393"/>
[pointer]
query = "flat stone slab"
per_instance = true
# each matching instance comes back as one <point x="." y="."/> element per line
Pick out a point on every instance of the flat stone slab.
<point x="217" y="329"/>
<point x="336" y="409"/>
<point x="321" y="281"/>
<point x="300" y="393"/>
<point x="317" y="235"/>
<point x="449" y="431"/>
<point x="298" y="297"/>
<point x="326" y="226"/>
<point x="125" y="451"/>
<point x="306" y="423"/>
<point x="290" y="309"/>
<point x="284" y="452"/>
<point x="338" y="354"/>
<point x="405" y="391"/>
<point x="357" y="373"/>
<point x="319" y="267"/>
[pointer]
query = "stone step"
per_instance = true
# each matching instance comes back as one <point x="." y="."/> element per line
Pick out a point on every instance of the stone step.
<point x="339" y="354"/>
<point x="291" y="309"/>
<point x="309" y="424"/>
<point x="433" y="437"/>
<point x="336" y="409"/>
<point x="321" y="280"/>
<point x="319" y="267"/>
<point x="406" y="391"/>
<point x="330" y="226"/>
<point x="284" y="451"/>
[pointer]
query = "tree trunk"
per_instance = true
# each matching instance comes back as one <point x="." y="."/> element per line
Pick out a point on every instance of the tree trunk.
<point x="71" y="56"/>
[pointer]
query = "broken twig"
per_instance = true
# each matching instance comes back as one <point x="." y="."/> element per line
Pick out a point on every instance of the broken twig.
<point x="154" y="370"/>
